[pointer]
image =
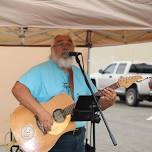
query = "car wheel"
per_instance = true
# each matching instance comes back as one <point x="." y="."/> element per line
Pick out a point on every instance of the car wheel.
<point x="132" y="97"/>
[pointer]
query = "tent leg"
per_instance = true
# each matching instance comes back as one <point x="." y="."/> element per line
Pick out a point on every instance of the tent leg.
<point x="89" y="45"/>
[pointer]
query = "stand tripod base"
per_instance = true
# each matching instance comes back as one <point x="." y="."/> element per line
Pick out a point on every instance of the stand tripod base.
<point x="89" y="148"/>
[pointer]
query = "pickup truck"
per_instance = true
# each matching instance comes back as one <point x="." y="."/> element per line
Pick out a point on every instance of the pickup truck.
<point x="138" y="91"/>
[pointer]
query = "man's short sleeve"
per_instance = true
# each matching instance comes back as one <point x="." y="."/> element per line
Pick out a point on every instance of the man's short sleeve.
<point x="32" y="80"/>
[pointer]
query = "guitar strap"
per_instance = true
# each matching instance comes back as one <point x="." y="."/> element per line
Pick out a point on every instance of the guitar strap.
<point x="71" y="82"/>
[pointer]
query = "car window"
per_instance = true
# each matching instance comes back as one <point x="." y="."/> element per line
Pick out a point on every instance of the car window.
<point x="121" y="68"/>
<point x="109" y="69"/>
<point x="141" y="68"/>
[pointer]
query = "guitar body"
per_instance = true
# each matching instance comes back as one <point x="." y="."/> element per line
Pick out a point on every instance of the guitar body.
<point x="27" y="133"/>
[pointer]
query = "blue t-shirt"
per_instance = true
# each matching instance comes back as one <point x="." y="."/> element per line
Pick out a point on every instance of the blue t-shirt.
<point x="47" y="80"/>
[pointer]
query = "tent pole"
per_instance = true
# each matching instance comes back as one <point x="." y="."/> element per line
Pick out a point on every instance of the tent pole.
<point x="89" y="46"/>
<point x="88" y="61"/>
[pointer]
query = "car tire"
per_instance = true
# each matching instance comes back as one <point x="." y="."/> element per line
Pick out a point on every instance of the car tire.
<point x="132" y="97"/>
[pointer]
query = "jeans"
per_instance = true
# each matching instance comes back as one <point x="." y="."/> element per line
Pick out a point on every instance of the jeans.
<point x="70" y="142"/>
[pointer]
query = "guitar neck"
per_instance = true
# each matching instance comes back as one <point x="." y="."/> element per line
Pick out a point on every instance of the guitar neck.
<point x="114" y="86"/>
<point x="68" y="110"/>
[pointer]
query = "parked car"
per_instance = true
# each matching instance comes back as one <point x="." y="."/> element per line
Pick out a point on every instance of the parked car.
<point x="150" y="85"/>
<point x="138" y="91"/>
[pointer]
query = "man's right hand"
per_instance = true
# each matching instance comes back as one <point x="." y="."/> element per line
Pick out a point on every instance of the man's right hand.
<point x="24" y="96"/>
<point x="45" y="121"/>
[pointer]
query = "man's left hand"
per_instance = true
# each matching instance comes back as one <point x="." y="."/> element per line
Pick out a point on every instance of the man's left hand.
<point x="108" y="98"/>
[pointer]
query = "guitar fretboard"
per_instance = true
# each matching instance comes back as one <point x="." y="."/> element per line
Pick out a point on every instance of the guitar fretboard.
<point x="114" y="86"/>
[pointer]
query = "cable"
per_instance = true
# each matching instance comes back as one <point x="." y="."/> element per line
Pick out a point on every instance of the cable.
<point x="8" y="145"/>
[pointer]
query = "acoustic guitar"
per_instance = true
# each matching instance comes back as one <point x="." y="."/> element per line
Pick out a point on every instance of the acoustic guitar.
<point x="25" y="126"/>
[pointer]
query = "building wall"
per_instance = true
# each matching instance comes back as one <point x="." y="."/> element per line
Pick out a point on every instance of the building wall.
<point x="14" y="61"/>
<point x="101" y="56"/>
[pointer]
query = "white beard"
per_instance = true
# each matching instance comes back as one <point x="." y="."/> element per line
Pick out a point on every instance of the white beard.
<point x="65" y="63"/>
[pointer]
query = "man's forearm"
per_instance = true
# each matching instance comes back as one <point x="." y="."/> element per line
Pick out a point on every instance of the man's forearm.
<point x="23" y="95"/>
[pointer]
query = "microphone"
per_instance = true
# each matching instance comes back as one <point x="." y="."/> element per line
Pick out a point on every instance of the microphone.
<point x="70" y="54"/>
<point x="74" y="53"/>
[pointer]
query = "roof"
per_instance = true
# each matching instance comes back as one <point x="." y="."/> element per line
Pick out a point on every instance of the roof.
<point x="90" y="23"/>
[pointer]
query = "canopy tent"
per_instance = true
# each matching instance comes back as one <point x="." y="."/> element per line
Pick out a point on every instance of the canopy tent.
<point x="89" y="22"/>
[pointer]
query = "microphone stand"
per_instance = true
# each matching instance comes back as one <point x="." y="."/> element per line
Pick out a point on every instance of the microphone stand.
<point x="95" y="102"/>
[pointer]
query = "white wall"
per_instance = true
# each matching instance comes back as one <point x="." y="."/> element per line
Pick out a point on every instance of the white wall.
<point x="102" y="56"/>
<point x="13" y="62"/>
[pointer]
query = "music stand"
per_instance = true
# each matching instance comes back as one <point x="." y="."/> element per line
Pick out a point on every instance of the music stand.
<point x="83" y="109"/>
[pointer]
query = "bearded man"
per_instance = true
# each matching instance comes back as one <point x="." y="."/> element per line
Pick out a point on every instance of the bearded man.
<point x="50" y="78"/>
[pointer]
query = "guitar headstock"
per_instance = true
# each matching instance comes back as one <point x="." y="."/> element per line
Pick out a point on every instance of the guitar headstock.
<point x="128" y="81"/>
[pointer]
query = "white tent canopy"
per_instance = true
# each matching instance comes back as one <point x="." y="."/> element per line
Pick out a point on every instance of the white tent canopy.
<point x="107" y="22"/>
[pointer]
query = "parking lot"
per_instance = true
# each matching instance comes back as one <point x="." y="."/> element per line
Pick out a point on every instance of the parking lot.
<point x="132" y="127"/>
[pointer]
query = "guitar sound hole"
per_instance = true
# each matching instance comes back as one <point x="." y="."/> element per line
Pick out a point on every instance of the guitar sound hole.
<point x="58" y="115"/>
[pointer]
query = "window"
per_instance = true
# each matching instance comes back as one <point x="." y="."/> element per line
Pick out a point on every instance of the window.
<point x="121" y="68"/>
<point x="109" y="69"/>
<point x="141" y="68"/>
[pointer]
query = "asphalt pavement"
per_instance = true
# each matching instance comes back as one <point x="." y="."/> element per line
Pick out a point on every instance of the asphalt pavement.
<point x="131" y="126"/>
